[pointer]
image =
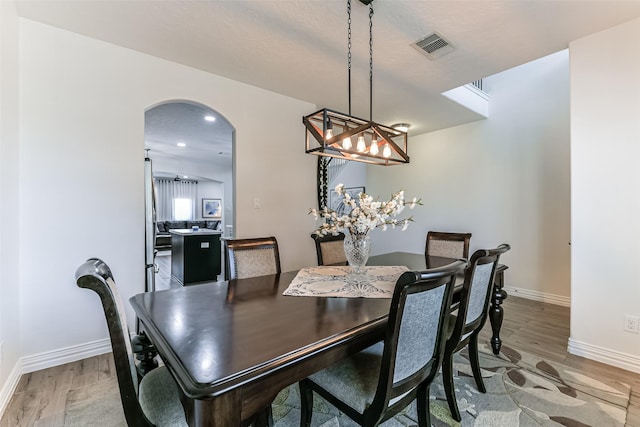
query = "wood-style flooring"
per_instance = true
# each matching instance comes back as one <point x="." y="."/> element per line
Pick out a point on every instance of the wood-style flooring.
<point x="535" y="327"/>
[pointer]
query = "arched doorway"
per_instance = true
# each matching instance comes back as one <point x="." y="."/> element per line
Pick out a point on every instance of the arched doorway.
<point x="191" y="150"/>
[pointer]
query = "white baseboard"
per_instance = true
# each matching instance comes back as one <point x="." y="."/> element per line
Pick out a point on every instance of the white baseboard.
<point x="10" y="387"/>
<point x="48" y="360"/>
<point x="64" y="355"/>
<point x="624" y="361"/>
<point x="538" y="296"/>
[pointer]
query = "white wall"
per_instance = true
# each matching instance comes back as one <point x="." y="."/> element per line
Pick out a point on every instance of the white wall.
<point x="504" y="179"/>
<point x="605" y="202"/>
<point x="81" y="172"/>
<point x="9" y="194"/>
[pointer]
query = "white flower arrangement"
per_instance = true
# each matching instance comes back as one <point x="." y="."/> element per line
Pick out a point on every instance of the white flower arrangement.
<point x="366" y="214"/>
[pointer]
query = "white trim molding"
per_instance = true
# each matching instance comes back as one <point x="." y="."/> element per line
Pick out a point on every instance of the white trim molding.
<point x="538" y="296"/>
<point x="49" y="360"/>
<point x="10" y="387"/>
<point x="65" y="355"/>
<point x="625" y="361"/>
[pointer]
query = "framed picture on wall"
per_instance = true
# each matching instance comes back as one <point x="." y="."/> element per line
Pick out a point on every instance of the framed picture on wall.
<point x="212" y="208"/>
<point x="336" y="201"/>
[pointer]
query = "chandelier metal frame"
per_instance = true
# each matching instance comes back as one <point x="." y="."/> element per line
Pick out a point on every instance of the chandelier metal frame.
<point x="331" y="133"/>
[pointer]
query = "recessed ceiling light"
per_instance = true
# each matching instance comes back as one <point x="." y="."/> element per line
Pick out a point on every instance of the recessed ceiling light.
<point x="181" y="144"/>
<point x="185" y="176"/>
<point x="210" y="118"/>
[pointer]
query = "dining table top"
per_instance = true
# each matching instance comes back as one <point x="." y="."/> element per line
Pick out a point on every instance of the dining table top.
<point x="214" y="336"/>
<point x="219" y="336"/>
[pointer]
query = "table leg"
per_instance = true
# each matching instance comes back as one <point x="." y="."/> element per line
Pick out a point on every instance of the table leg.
<point x="263" y="418"/>
<point x="496" y="312"/>
<point x="224" y="410"/>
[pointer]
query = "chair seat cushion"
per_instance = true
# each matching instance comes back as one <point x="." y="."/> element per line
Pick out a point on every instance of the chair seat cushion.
<point x="159" y="398"/>
<point x="353" y="380"/>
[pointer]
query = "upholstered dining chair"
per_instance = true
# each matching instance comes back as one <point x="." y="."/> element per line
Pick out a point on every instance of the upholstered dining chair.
<point x="251" y="257"/>
<point x="466" y="324"/>
<point x="330" y="249"/>
<point x="381" y="380"/>
<point x="155" y="400"/>
<point x="449" y="245"/>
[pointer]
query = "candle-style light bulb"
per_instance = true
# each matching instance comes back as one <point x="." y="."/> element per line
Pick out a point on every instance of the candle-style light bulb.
<point x="361" y="145"/>
<point x="374" y="146"/>
<point x="386" y="151"/>
<point x="329" y="133"/>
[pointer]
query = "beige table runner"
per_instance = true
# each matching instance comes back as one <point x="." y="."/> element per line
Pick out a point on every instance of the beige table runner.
<point x="338" y="281"/>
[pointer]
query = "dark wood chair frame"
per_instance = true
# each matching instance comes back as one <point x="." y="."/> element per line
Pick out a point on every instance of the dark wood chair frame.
<point x="453" y="237"/>
<point x="319" y="240"/>
<point x="455" y="342"/>
<point x="417" y="385"/>
<point x="95" y="275"/>
<point x="232" y="245"/>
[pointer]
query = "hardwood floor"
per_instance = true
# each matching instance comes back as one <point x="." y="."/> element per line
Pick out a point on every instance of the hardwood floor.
<point x="535" y="327"/>
<point x="543" y="330"/>
<point x="41" y="396"/>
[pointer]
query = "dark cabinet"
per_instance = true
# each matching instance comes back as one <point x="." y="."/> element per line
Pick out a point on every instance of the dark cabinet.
<point x="195" y="255"/>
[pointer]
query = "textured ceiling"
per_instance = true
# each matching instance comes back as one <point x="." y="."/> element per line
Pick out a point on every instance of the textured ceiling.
<point x="298" y="47"/>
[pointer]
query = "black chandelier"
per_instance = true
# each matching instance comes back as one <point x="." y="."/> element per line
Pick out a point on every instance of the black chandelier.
<point x="330" y="133"/>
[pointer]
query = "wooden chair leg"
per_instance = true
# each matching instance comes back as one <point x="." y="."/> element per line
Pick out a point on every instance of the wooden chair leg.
<point x="447" y="381"/>
<point x="306" y="403"/>
<point x="424" y="413"/>
<point x="474" y="359"/>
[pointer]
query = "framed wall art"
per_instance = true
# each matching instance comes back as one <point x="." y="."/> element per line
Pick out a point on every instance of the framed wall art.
<point x="212" y="208"/>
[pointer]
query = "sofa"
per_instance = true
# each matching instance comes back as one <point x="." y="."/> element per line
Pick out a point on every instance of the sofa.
<point x="163" y="236"/>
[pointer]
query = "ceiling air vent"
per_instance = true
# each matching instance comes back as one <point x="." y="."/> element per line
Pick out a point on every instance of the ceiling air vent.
<point x="433" y="46"/>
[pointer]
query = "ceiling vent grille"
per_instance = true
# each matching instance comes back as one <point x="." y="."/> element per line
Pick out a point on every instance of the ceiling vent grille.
<point x="433" y="46"/>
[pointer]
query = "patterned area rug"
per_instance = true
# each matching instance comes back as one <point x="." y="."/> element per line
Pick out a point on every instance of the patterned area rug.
<point x="522" y="390"/>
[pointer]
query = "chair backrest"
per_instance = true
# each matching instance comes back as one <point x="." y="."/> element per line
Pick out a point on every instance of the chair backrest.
<point x="94" y="274"/>
<point x="449" y="245"/>
<point x="251" y="257"/>
<point x="414" y="341"/>
<point x="476" y="293"/>
<point x="330" y="249"/>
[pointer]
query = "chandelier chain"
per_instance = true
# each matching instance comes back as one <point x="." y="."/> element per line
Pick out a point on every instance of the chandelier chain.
<point x="371" y="61"/>
<point x="349" y="49"/>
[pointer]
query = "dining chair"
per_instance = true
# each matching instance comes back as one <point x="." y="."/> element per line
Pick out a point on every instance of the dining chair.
<point x="378" y="382"/>
<point x="330" y="249"/>
<point x="154" y="400"/>
<point x="448" y="245"/>
<point x="465" y="325"/>
<point x="251" y="257"/>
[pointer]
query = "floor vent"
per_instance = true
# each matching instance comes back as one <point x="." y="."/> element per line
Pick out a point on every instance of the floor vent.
<point x="433" y="46"/>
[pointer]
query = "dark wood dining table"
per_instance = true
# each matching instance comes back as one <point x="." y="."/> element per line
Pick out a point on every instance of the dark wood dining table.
<point x="232" y="346"/>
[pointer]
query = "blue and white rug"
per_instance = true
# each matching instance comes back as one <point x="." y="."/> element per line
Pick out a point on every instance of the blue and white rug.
<point x="522" y="391"/>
